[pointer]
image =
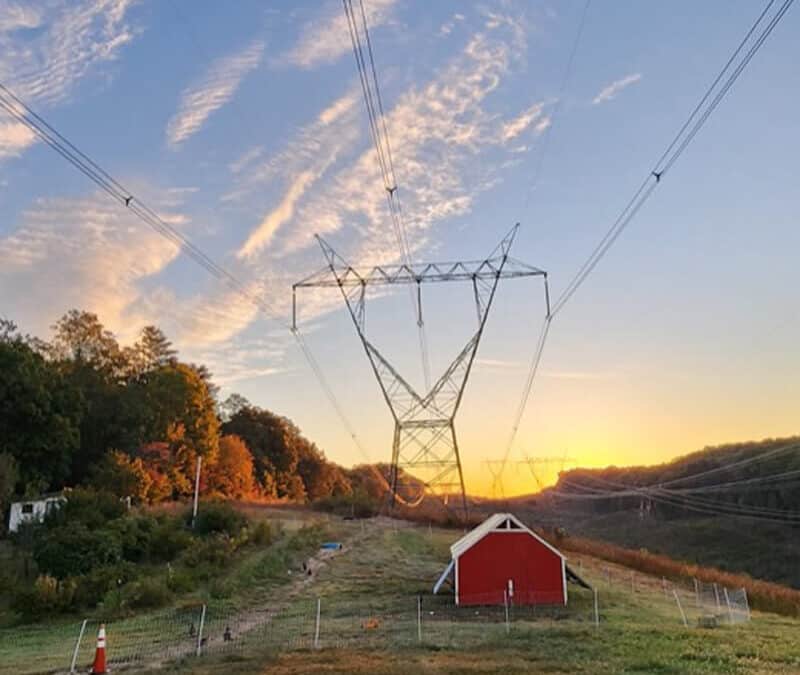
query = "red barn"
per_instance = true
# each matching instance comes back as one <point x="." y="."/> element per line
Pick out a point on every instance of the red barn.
<point x="501" y="558"/>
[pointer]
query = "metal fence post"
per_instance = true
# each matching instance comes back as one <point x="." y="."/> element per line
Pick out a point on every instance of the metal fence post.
<point x="728" y="604"/>
<point x="683" y="616"/>
<point x="696" y="592"/>
<point x="505" y="603"/>
<point x="596" y="611"/>
<point x="316" y="627"/>
<point x="200" y="631"/>
<point x="716" y="596"/>
<point x="77" y="647"/>
<point x="419" y="619"/>
<point x="746" y="603"/>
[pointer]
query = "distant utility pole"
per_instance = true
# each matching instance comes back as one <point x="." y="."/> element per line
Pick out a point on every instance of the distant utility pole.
<point x="196" y="490"/>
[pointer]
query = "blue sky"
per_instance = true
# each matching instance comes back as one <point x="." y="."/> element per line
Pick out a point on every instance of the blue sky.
<point x="244" y="126"/>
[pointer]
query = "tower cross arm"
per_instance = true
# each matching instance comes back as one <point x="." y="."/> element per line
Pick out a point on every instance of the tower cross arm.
<point x="420" y="273"/>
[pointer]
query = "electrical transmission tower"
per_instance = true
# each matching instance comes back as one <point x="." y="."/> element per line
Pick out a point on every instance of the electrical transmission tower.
<point x="496" y="467"/>
<point x="425" y="454"/>
<point x="536" y="464"/>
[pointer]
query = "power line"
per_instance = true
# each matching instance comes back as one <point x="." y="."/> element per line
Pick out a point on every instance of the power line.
<point x="559" y="102"/>
<point x="370" y="87"/>
<point x="21" y="112"/>
<point x="674" y="150"/>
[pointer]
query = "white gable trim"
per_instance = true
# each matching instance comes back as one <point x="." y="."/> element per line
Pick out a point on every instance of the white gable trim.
<point x="495" y="523"/>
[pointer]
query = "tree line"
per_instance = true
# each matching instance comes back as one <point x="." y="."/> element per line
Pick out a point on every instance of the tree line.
<point x="80" y="409"/>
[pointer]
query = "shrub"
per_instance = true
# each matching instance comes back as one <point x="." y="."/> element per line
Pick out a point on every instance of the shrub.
<point x="93" y="508"/>
<point x="97" y="584"/>
<point x="73" y="549"/>
<point x="219" y="517"/>
<point x="46" y="596"/>
<point x="180" y="581"/>
<point x="260" y="534"/>
<point x="147" y="593"/>
<point x="168" y="539"/>
<point x="215" y="551"/>
<point x="358" y="504"/>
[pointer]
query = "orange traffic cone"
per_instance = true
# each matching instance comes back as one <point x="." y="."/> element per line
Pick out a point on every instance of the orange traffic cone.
<point x="99" y="665"/>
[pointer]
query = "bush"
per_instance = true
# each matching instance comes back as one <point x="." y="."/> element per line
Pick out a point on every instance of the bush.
<point x="219" y="517"/>
<point x="359" y="504"/>
<point x="168" y="539"/>
<point x="46" y="596"/>
<point x="260" y="534"/>
<point x="147" y="593"/>
<point x="93" y="508"/>
<point x="73" y="549"/>
<point x="97" y="584"/>
<point x="215" y="551"/>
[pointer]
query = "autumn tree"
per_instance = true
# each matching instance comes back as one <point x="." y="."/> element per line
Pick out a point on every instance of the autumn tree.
<point x="232" y="474"/>
<point x="274" y="443"/>
<point x="123" y="475"/>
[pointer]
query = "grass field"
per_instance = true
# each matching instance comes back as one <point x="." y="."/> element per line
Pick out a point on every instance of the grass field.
<point x="369" y="622"/>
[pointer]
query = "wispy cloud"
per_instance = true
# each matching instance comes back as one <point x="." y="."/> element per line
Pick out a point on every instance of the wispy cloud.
<point x="610" y="91"/>
<point x="81" y="252"/>
<point x="14" y="138"/>
<point x="17" y="17"/>
<point x="533" y="116"/>
<point x="304" y="160"/>
<point x="213" y="91"/>
<point x="447" y="154"/>
<point x="326" y="38"/>
<point x="70" y="40"/>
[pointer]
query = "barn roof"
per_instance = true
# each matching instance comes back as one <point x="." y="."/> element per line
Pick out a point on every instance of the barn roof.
<point x="498" y="522"/>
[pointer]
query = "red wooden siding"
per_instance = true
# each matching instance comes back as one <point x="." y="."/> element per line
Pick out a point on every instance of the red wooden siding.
<point x="485" y="568"/>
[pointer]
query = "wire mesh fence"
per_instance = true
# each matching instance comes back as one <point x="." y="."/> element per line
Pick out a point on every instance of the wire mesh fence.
<point x="342" y="620"/>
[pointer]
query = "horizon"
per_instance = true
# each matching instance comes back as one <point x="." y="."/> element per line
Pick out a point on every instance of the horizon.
<point x="247" y="132"/>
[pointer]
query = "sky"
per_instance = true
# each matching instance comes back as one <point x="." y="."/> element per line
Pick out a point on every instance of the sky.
<point x="244" y="127"/>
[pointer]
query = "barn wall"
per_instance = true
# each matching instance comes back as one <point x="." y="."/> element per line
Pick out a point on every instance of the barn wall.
<point x="484" y="571"/>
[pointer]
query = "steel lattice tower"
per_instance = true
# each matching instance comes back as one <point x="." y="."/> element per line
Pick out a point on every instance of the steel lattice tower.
<point x="425" y="454"/>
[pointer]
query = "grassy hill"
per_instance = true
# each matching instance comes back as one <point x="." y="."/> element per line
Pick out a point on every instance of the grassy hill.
<point x="371" y="622"/>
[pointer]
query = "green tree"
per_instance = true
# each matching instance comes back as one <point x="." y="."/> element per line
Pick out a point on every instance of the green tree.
<point x="177" y="395"/>
<point x="9" y="475"/>
<point x="39" y="415"/>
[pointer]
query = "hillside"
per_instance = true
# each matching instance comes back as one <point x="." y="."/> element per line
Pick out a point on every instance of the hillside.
<point x="723" y="506"/>
<point x="366" y="597"/>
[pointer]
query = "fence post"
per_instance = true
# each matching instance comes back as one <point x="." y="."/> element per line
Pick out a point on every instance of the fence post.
<point x="683" y="616"/>
<point x="77" y="647"/>
<point x="696" y="592"/>
<point x="596" y="611"/>
<point x="419" y="619"/>
<point x="716" y="595"/>
<point x="505" y="604"/>
<point x="746" y="602"/>
<point x="316" y="627"/>
<point x="200" y="631"/>
<point x="728" y="603"/>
